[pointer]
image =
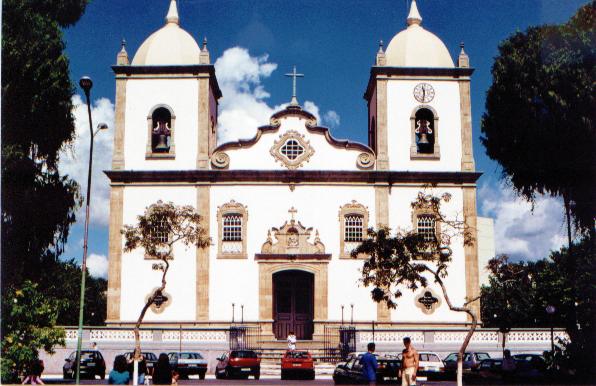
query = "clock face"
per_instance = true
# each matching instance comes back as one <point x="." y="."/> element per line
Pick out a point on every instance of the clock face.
<point x="424" y="92"/>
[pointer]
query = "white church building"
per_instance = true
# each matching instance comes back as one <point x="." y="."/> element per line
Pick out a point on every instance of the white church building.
<point x="285" y="208"/>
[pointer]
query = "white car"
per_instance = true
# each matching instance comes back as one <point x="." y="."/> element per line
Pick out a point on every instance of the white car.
<point x="430" y="365"/>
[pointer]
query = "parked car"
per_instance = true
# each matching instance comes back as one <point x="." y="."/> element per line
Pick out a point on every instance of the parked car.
<point x="530" y="367"/>
<point x="150" y="359"/>
<point x="188" y="363"/>
<point x="297" y="364"/>
<point x="91" y="364"/>
<point x="471" y="361"/>
<point x="350" y="371"/>
<point x="430" y="365"/>
<point x="242" y="363"/>
<point x="491" y="368"/>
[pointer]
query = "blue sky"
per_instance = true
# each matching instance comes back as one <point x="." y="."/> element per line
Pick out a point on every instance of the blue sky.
<point x="333" y="43"/>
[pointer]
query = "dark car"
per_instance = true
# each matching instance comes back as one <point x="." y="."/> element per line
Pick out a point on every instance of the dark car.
<point x="471" y="361"/>
<point x="188" y="363"/>
<point x="529" y="367"/>
<point x="92" y="364"/>
<point x="297" y="364"/>
<point x="150" y="359"/>
<point x="491" y="368"/>
<point x="350" y="371"/>
<point x="238" y="363"/>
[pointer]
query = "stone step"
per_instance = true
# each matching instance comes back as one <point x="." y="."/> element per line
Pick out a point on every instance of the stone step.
<point x="275" y="369"/>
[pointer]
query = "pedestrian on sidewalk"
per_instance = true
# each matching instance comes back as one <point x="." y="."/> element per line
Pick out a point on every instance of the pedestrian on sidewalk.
<point x="119" y="374"/>
<point x="34" y="373"/>
<point x="291" y="341"/>
<point x="370" y="365"/>
<point x="162" y="373"/>
<point x="409" y="364"/>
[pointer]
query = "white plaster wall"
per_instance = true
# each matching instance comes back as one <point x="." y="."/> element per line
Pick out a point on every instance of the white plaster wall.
<point x="401" y="104"/>
<point x="144" y="94"/>
<point x="486" y="246"/>
<point x="325" y="157"/>
<point x="237" y="281"/>
<point x="138" y="279"/>
<point x="400" y="217"/>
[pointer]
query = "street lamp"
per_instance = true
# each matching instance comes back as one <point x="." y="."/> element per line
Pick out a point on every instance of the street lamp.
<point x="550" y="310"/>
<point x="342" y="314"/>
<point x="86" y="83"/>
<point x="351" y="314"/>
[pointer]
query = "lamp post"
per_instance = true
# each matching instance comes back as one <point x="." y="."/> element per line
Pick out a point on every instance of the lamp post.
<point x="233" y="311"/>
<point x="550" y="310"/>
<point x="342" y="314"/>
<point x="352" y="313"/>
<point x="242" y="314"/>
<point x="86" y="83"/>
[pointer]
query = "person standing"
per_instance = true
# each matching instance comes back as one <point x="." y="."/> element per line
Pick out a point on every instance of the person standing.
<point x="119" y="374"/>
<point x="162" y="372"/>
<point x="508" y="366"/>
<point x="291" y="341"/>
<point x="369" y="364"/>
<point x="409" y="364"/>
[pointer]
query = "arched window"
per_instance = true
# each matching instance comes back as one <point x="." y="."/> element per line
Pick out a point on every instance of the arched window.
<point x="353" y="219"/>
<point x="232" y="218"/>
<point x="425" y="139"/>
<point x="160" y="125"/>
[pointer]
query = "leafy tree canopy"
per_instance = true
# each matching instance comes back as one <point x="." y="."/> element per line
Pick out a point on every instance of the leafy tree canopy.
<point x="539" y="120"/>
<point x="38" y="203"/>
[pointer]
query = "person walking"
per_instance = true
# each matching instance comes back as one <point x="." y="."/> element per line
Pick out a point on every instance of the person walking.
<point x="369" y="365"/>
<point x="291" y="341"/>
<point x="409" y="364"/>
<point x="162" y="372"/>
<point x="119" y="374"/>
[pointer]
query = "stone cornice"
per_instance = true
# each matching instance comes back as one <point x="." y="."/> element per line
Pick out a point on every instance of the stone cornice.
<point x="191" y="69"/>
<point x="447" y="72"/>
<point x="290" y="176"/>
<point x="290" y="257"/>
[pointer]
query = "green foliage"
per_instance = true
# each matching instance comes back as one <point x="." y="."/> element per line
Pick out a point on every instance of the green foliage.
<point x="28" y="320"/>
<point x="518" y="294"/>
<point x="539" y="120"/>
<point x="38" y="204"/>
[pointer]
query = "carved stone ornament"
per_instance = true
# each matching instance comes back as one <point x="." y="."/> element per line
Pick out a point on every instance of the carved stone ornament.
<point x="292" y="238"/>
<point x="428" y="301"/>
<point x="220" y="160"/>
<point x="161" y="301"/>
<point x="365" y="161"/>
<point x="291" y="149"/>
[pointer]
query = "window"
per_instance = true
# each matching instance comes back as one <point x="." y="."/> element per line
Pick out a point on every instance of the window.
<point x="232" y="227"/>
<point x="232" y="218"/>
<point x="159" y="232"/>
<point x="292" y="149"/>
<point x="425" y="126"/>
<point x="353" y="219"/>
<point x="426" y="227"/>
<point x="160" y="125"/>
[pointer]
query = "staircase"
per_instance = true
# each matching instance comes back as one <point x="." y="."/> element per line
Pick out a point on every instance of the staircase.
<point x="273" y="350"/>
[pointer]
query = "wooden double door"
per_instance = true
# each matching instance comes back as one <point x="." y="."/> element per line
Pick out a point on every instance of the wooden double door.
<point x="293" y="304"/>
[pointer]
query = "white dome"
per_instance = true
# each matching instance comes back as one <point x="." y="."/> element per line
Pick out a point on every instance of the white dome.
<point x="170" y="45"/>
<point x="417" y="47"/>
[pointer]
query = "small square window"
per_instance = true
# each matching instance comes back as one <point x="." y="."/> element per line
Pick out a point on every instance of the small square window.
<point x="292" y="149"/>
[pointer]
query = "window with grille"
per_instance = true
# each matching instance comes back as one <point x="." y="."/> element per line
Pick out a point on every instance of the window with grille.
<point x="292" y="149"/>
<point x="426" y="227"/>
<point x="232" y="227"/>
<point x="354" y="226"/>
<point x="160" y="233"/>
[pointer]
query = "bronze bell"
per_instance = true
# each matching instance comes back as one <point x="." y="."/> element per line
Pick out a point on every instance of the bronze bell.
<point x="162" y="145"/>
<point x="423" y="130"/>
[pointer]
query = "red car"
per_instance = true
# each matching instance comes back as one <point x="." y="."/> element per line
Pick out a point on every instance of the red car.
<point x="238" y="363"/>
<point x="297" y="364"/>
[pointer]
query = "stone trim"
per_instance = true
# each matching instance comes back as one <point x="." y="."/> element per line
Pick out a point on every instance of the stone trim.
<point x="204" y="124"/>
<point x="275" y="150"/>
<point x="266" y="271"/>
<point x="465" y="111"/>
<point x="381" y="122"/>
<point x="202" y="257"/>
<point x="229" y="208"/>
<point x="382" y="219"/>
<point x="436" y="154"/>
<point x="471" y="251"/>
<point x="367" y="177"/>
<point x="115" y="252"/>
<point x="421" y="306"/>
<point x="347" y="209"/>
<point x="171" y="154"/>
<point x="119" y="122"/>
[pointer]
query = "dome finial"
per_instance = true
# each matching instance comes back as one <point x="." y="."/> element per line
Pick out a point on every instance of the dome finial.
<point x="122" y="57"/>
<point x="381" y="46"/>
<point x="172" y="16"/>
<point x="414" y="16"/>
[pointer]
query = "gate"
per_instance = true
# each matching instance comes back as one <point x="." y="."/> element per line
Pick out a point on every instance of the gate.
<point x="338" y="342"/>
<point x="245" y="338"/>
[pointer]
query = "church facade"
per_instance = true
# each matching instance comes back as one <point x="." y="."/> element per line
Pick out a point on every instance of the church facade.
<point x="284" y="209"/>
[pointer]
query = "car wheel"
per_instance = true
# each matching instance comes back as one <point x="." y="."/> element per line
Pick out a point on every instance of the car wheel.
<point x="218" y="374"/>
<point x="102" y="375"/>
<point x="257" y="375"/>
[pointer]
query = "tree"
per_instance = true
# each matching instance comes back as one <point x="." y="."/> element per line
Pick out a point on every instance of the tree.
<point x="408" y="260"/>
<point x="158" y="229"/>
<point x="539" y="119"/>
<point x="36" y="124"/>
<point x="28" y="322"/>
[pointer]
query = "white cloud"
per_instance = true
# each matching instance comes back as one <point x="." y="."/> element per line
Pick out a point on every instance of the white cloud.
<point x="520" y="230"/>
<point x="243" y="107"/>
<point x="74" y="159"/>
<point x="97" y="265"/>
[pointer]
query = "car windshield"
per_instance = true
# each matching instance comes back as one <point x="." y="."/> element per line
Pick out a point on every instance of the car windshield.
<point x="87" y="355"/>
<point x="243" y="354"/>
<point x="429" y="358"/>
<point x="150" y="356"/>
<point x="190" y="355"/>
<point x="297" y="354"/>
<point x="482" y="356"/>
<point x="451" y="357"/>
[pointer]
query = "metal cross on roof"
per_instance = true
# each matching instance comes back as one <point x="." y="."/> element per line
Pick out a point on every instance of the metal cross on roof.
<point x="292" y="212"/>
<point x="294" y="75"/>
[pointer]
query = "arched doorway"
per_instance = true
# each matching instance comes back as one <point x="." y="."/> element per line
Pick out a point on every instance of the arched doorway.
<point x="293" y="304"/>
